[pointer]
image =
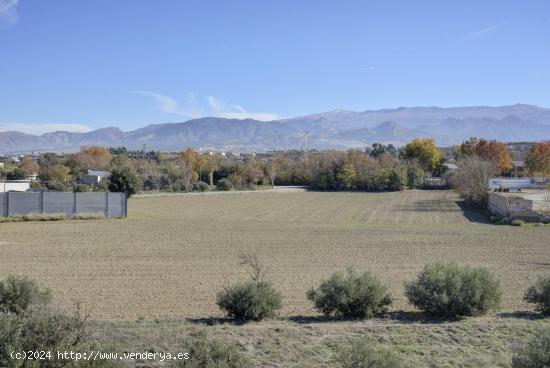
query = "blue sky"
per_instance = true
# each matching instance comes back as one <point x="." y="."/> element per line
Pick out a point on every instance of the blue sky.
<point x="79" y="65"/>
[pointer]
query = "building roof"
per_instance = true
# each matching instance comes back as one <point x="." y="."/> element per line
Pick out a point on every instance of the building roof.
<point x="518" y="163"/>
<point x="99" y="173"/>
<point x="450" y="166"/>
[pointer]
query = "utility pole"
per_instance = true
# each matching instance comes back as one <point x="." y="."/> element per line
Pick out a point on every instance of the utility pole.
<point x="306" y="133"/>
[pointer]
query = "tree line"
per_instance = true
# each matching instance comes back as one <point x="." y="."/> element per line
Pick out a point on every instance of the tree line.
<point x="377" y="168"/>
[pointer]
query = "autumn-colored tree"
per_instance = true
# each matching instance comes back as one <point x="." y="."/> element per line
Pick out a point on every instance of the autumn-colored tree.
<point x="466" y="149"/>
<point x="538" y="158"/>
<point x="346" y="177"/>
<point x="426" y="153"/>
<point x="211" y="162"/>
<point x="194" y="161"/>
<point x="29" y="166"/>
<point x="496" y="152"/>
<point x="91" y="158"/>
<point x="55" y="173"/>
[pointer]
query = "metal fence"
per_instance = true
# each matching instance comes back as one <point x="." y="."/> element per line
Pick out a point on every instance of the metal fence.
<point x="68" y="203"/>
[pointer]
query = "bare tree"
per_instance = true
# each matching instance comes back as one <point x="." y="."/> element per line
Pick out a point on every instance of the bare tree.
<point x="185" y="172"/>
<point x="255" y="269"/>
<point x="471" y="180"/>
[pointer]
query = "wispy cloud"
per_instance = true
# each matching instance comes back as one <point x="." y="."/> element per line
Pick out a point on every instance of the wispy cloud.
<point x="169" y="105"/>
<point x="483" y="31"/>
<point x="221" y="109"/>
<point x="8" y="13"/>
<point x="38" y="129"/>
<point x="194" y="107"/>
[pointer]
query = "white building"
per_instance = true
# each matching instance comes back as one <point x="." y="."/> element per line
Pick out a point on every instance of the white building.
<point x="94" y="177"/>
<point x="14" y="185"/>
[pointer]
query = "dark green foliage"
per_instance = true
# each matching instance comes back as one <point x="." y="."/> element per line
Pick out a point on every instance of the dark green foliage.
<point x="346" y="177"/>
<point x="250" y="300"/>
<point x="415" y="176"/>
<point x="201" y="186"/>
<point x="224" y="184"/>
<point x="18" y="293"/>
<point x="321" y="181"/>
<point x="395" y="181"/>
<point x="124" y="180"/>
<point x="59" y="186"/>
<point x="535" y="353"/>
<point x="42" y="329"/>
<point x="82" y="188"/>
<point x="539" y="294"/>
<point x="350" y="294"/>
<point x="452" y="290"/>
<point x="385" y="180"/>
<point x="365" y="353"/>
<point x="206" y="353"/>
<point x="16" y="174"/>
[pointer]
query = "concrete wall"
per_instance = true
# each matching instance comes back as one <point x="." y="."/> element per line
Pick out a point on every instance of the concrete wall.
<point x="68" y="203"/>
<point x="527" y="207"/>
<point x="498" y="204"/>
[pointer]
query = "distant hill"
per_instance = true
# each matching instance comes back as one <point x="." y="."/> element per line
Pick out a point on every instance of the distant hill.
<point x="337" y="129"/>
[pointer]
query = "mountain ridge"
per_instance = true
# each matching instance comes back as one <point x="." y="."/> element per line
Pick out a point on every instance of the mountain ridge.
<point x="335" y="129"/>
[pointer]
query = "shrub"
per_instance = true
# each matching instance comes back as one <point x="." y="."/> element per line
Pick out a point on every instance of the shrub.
<point x="321" y="181"/>
<point x="517" y="222"/>
<point x="205" y="353"/>
<point x="385" y="180"/>
<point x="415" y="176"/>
<point x="535" y="353"/>
<point x="224" y="184"/>
<point x="59" y="186"/>
<point x="201" y="186"/>
<point x="18" y="293"/>
<point x="82" y="188"/>
<point x="539" y="294"/>
<point x="16" y="174"/>
<point x="251" y="300"/>
<point x="452" y="290"/>
<point x="42" y="329"/>
<point x="395" y="181"/>
<point x="350" y="295"/>
<point x="88" y="216"/>
<point x="365" y="353"/>
<point x="124" y="180"/>
<point x="34" y="217"/>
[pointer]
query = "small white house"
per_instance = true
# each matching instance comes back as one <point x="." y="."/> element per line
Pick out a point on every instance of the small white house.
<point x="94" y="177"/>
<point x="14" y="185"/>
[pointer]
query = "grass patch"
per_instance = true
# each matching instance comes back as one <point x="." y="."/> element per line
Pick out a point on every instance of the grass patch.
<point x="482" y="342"/>
<point x="34" y="217"/>
<point x="88" y="216"/>
<point x="53" y="217"/>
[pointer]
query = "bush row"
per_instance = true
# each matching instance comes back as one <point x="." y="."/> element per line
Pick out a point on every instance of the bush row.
<point x="442" y="289"/>
<point x="53" y="217"/>
<point x="28" y="324"/>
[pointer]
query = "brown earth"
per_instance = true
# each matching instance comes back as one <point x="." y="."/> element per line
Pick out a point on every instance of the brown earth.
<point x="174" y="253"/>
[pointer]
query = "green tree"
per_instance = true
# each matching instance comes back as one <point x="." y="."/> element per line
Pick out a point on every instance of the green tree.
<point x="395" y="180"/>
<point x="346" y="177"/>
<point x="16" y="174"/>
<point x="426" y="152"/>
<point x="124" y="180"/>
<point x="55" y="173"/>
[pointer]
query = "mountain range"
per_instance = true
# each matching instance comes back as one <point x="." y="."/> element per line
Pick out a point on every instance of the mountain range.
<point x="337" y="129"/>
